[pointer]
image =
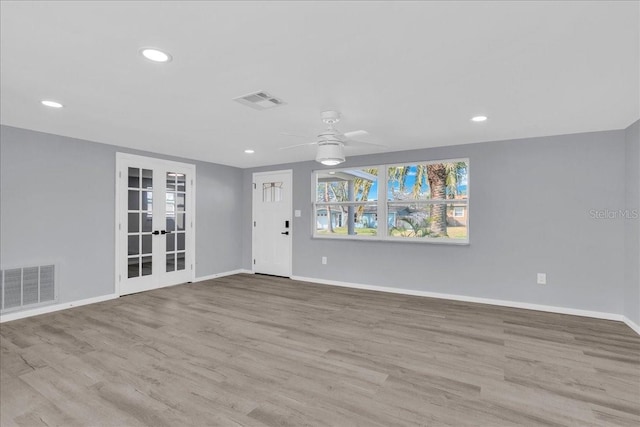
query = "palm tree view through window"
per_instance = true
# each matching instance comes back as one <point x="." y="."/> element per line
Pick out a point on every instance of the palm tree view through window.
<point x="425" y="201"/>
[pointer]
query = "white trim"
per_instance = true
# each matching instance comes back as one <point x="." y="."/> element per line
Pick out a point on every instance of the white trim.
<point x="502" y="303"/>
<point x="630" y="323"/>
<point x="223" y="274"/>
<point x="117" y="217"/>
<point x="51" y="308"/>
<point x="192" y="244"/>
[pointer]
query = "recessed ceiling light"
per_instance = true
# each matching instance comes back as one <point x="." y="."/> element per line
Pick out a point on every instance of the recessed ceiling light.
<point x="479" y="118"/>
<point x="155" y="55"/>
<point x="249" y="151"/>
<point x="52" y="104"/>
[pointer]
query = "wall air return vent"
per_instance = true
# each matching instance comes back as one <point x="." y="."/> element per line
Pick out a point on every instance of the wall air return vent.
<point x="260" y="100"/>
<point x="26" y="287"/>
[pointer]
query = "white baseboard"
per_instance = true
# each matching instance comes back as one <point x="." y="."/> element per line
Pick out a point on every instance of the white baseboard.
<point x="51" y="308"/>
<point x="503" y="303"/>
<point x="630" y="323"/>
<point x="7" y="317"/>
<point x="226" y="273"/>
<point x="514" y="304"/>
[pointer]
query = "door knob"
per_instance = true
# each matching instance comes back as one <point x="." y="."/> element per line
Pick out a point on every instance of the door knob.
<point x="285" y="232"/>
<point x="165" y="232"/>
<point x="156" y="232"/>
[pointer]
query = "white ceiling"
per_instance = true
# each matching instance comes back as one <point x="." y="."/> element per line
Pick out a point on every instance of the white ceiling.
<point x="411" y="73"/>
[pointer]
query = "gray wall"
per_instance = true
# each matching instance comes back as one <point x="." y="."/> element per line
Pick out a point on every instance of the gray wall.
<point x="632" y="224"/>
<point x="57" y="197"/>
<point x="530" y="211"/>
<point x="532" y="204"/>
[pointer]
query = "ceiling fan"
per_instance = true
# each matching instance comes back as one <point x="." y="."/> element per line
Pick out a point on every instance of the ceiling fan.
<point x="331" y="141"/>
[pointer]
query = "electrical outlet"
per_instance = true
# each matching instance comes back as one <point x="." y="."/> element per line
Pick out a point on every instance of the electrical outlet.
<point x="542" y="278"/>
<point x="324" y="260"/>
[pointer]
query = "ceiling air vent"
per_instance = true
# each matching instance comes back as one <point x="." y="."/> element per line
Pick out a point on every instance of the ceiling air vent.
<point x="259" y="100"/>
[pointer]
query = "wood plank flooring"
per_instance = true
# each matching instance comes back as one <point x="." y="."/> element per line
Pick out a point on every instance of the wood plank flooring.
<point x="252" y="350"/>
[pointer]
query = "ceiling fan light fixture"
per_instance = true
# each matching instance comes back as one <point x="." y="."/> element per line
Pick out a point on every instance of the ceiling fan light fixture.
<point x="155" y="55"/>
<point x="52" y="104"/>
<point x="330" y="154"/>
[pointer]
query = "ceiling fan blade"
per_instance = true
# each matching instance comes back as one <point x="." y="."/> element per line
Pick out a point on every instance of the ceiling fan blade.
<point x="296" y="135"/>
<point x="355" y="133"/>
<point x="353" y="142"/>
<point x="297" y="145"/>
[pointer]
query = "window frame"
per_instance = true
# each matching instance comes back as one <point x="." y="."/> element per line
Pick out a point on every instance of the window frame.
<point x="382" y="205"/>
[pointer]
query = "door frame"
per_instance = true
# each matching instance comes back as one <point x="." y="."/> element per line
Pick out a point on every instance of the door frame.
<point x="121" y="218"/>
<point x="253" y="217"/>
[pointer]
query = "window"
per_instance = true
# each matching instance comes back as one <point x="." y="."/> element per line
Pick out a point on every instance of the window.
<point x="422" y="201"/>
<point x="346" y="202"/>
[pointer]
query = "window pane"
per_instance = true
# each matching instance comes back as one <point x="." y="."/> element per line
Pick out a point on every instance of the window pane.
<point x="181" y="182"/>
<point x="134" y="200"/>
<point x="146" y="265"/>
<point x="360" y="220"/>
<point x="170" y="223"/>
<point x="147" y="200"/>
<point x="134" y="220"/>
<point x="134" y="267"/>
<point x="409" y="220"/>
<point x="171" y="242"/>
<point x="180" y="201"/>
<point x="457" y="221"/>
<point x="147" y="178"/>
<point x="171" y="181"/>
<point x="171" y="262"/>
<point x="134" y="248"/>
<point x="427" y="220"/>
<point x="170" y="203"/>
<point x="180" y="221"/>
<point x="272" y="192"/>
<point x="180" y="261"/>
<point x="134" y="177"/>
<point x="358" y="185"/>
<point x="447" y="180"/>
<point x="180" y="241"/>
<point x="146" y="243"/>
<point x="147" y="221"/>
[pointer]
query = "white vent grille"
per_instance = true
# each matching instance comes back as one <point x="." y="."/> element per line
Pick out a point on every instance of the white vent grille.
<point x="27" y="286"/>
<point x="260" y="100"/>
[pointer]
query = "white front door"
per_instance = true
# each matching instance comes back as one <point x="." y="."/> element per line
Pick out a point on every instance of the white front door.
<point x="155" y="245"/>
<point x="272" y="225"/>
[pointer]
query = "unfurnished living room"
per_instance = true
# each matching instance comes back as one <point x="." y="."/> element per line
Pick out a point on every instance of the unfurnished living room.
<point x="319" y="213"/>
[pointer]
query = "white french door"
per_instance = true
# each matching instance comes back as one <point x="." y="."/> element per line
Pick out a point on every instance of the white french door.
<point x="272" y="225"/>
<point x="155" y="219"/>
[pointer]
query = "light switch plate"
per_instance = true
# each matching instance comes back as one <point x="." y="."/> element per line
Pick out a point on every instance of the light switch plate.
<point x="297" y="213"/>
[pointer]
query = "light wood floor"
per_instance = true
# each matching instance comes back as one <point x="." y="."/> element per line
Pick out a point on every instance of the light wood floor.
<point x="255" y="350"/>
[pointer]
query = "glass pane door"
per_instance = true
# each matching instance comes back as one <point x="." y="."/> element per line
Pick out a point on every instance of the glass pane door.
<point x="175" y="214"/>
<point x="155" y="240"/>
<point x="139" y="222"/>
